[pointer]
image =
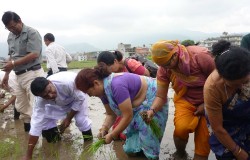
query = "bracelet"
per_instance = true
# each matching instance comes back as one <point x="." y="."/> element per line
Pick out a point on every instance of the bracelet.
<point x="153" y="110"/>
<point x="239" y="152"/>
<point x="113" y="137"/>
<point x="30" y="144"/>
<point x="13" y="63"/>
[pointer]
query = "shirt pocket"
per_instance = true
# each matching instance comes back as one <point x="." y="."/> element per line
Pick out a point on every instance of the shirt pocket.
<point x="23" y="45"/>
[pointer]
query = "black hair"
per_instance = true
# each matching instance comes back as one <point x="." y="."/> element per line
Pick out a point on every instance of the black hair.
<point x="50" y="37"/>
<point x="38" y="85"/>
<point x="108" y="57"/>
<point x="9" y="16"/>
<point x="232" y="62"/>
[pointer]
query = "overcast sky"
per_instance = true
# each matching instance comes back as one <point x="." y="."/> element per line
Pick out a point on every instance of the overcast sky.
<point x="105" y="23"/>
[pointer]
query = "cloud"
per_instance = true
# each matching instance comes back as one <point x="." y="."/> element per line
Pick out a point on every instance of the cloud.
<point x="104" y="24"/>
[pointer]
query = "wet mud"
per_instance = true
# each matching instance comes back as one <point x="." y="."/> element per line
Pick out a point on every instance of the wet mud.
<point x="13" y="140"/>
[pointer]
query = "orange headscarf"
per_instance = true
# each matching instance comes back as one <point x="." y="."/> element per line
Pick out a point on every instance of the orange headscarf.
<point x="163" y="50"/>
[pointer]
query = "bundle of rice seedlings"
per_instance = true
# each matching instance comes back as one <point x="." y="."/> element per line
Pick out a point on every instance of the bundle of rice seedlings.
<point x="93" y="148"/>
<point x="153" y="125"/>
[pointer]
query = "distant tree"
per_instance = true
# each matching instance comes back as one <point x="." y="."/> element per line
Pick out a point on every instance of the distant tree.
<point x="188" y="42"/>
<point x="225" y="33"/>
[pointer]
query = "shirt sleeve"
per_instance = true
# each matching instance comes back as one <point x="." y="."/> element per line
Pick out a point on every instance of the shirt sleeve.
<point x="68" y="57"/>
<point x="51" y="59"/>
<point x="37" y="117"/>
<point x="34" y="43"/>
<point x="162" y="77"/>
<point x="212" y="98"/>
<point x="136" y="66"/>
<point x="140" y="70"/>
<point x="79" y="99"/>
<point x="120" y="91"/>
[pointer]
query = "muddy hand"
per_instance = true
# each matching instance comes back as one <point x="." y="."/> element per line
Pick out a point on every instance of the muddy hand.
<point x="7" y="66"/>
<point x="200" y="110"/>
<point x="61" y="128"/>
<point x="109" y="138"/>
<point x="147" y="116"/>
<point x="102" y="133"/>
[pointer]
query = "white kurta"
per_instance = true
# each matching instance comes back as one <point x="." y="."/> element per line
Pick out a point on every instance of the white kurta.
<point x="47" y="112"/>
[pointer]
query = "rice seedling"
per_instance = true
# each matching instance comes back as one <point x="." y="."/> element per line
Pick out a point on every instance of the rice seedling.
<point x="154" y="126"/>
<point x="93" y="148"/>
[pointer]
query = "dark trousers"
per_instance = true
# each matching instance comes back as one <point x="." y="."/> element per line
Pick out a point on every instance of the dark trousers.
<point x="49" y="73"/>
<point x="52" y="135"/>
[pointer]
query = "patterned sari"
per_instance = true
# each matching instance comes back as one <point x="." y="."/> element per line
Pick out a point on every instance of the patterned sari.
<point x="138" y="133"/>
<point x="236" y="120"/>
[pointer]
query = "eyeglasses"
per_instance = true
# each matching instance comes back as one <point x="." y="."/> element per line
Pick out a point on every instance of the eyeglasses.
<point x="11" y="28"/>
<point x="170" y="61"/>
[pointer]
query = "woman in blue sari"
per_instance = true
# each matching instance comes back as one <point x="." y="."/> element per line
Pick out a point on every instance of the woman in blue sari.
<point x="227" y="102"/>
<point x="125" y="95"/>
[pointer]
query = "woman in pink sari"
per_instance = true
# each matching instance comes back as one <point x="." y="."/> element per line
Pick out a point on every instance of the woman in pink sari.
<point x="187" y="69"/>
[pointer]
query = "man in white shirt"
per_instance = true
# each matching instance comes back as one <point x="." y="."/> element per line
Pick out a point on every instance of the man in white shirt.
<point x="57" y="57"/>
<point x="57" y="99"/>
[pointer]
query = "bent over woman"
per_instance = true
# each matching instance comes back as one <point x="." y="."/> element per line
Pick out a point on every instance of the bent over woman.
<point x="125" y="95"/>
<point x="227" y="102"/>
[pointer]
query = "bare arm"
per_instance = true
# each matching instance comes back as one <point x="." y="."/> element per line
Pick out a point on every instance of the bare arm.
<point x="127" y="116"/>
<point x="216" y="123"/>
<point x="108" y="122"/>
<point x="159" y="101"/>
<point x="26" y="59"/>
<point x="66" y="122"/>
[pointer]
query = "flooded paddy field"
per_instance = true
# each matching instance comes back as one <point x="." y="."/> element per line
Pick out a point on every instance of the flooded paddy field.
<point x="13" y="139"/>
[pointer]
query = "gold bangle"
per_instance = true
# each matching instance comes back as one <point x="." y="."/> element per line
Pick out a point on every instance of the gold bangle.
<point x="238" y="152"/>
<point x="13" y="63"/>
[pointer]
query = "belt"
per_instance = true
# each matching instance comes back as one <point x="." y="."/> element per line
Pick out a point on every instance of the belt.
<point x="33" y="68"/>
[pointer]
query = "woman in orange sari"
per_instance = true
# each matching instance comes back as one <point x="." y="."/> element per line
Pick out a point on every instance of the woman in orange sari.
<point x="187" y="69"/>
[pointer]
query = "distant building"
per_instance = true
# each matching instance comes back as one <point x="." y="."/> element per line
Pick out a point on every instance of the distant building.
<point x="82" y="57"/>
<point x="142" y="50"/>
<point x="235" y="39"/>
<point x="127" y="50"/>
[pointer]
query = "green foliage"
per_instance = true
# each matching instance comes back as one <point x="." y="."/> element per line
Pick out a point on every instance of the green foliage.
<point x="95" y="146"/>
<point x="10" y="147"/>
<point x="155" y="128"/>
<point x="149" y="57"/>
<point x="76" y="65"/>
<point x="188" y="42"/>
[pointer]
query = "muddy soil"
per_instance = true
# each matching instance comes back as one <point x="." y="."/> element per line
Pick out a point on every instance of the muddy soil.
<point x="13" y="140"/>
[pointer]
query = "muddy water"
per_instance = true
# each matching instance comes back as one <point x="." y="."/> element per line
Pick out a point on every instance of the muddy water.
<point x="72" y="146"/>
